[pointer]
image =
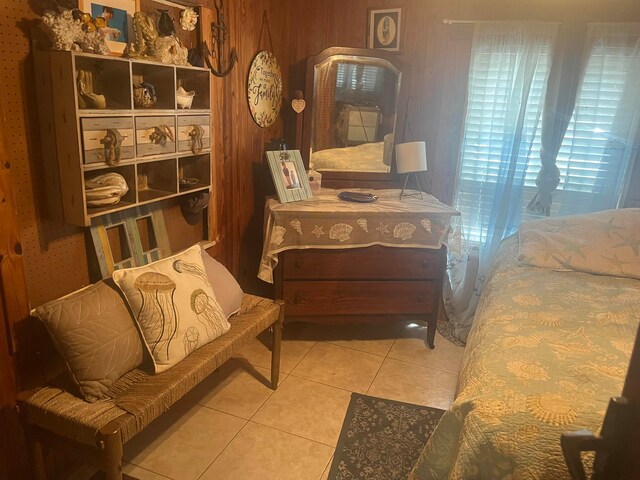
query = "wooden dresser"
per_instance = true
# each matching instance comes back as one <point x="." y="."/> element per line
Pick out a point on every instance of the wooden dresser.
<point x="373" y="284"/>
<point x="338" y="262"/>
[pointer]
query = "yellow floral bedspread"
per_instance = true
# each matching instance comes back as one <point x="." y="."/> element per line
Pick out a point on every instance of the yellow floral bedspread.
<point x="546" y="352"/>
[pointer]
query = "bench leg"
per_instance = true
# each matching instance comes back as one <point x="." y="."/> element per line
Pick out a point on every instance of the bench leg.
<point x="275" y="350"/>
<point x="110" y="443"/>
<point x="35" y="455"/>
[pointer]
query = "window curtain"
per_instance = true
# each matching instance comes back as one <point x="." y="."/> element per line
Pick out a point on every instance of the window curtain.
<point x="601" y="141"/>
<point x="510" y="65"/>
<point x="562" y="88"/>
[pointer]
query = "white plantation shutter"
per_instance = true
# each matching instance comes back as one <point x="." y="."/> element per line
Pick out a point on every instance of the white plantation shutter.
<point x="359" y="78"/>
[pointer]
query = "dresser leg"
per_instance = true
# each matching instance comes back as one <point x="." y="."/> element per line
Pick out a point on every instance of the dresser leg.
<point x="432" y="324"/>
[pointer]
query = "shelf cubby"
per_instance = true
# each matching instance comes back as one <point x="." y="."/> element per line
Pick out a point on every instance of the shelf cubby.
<point x="156" y="180"/>
<point x="102" y="76"/>
<point x="198" y="82"/>
<point x="127" y="200"/>
<point x="196" y="170"/>
<point x="161" y="77"/>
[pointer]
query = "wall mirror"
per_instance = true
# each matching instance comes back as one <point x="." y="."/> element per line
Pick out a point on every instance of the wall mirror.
<point x="355" y="113"/>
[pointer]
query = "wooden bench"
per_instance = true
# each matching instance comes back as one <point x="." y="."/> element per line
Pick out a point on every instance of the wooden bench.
<point x="96" y="432"/>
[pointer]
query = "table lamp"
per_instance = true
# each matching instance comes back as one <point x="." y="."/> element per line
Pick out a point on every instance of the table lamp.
<point x="411" y="158"/>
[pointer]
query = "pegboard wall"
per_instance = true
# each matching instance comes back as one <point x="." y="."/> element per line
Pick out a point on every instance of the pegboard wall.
<point x="55" y="253"/>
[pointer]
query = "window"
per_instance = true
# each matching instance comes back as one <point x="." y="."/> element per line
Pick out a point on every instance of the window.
<point x="358" y="82"/>
<point x="592" y="158"/>
<point x="505" y="81"/>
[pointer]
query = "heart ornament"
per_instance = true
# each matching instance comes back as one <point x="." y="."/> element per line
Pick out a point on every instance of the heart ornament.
<point x="298" y="105"/>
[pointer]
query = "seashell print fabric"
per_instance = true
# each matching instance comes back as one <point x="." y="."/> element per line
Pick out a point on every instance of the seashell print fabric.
<point x="544" y="355"/>
<point x="328" y="222"/>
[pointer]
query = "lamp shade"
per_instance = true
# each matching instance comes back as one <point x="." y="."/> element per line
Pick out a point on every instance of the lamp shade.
<point x="411" y="157"/>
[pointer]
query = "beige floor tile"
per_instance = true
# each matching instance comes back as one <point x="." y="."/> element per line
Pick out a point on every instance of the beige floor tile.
<point x="305" y="408"/>
<point x="142" y="474"/>
<point x="237" y="388"/>
<point x="411" y="348"/>
<point x="183" y="442"/>
<point x="339" y="367"/>
<point x="325" y="474"/>
<point x="376" y="339"/>
<point x="257" y="352"/>
<point x="263" y="453"/>
<point x="414" y="384"/>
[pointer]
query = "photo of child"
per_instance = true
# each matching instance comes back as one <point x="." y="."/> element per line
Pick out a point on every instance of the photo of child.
<point x="291" y="180"/>
<point x="116" y="22"/>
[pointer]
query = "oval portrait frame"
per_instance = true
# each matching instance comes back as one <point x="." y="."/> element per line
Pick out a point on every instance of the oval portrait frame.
<point x="264" y="89"/>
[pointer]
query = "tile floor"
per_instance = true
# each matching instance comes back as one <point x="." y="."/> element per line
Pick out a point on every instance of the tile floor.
<point x="233" y="426"/>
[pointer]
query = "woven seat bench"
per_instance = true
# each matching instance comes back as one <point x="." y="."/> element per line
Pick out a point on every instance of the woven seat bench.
<point x="97" y="431"/>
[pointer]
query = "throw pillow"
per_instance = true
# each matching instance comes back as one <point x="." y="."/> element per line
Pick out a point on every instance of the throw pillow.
<point x="605" y="243"/>
<point x="94" y="333"/>
<point x="174" y="305"/>
<point x="225" y="287"/>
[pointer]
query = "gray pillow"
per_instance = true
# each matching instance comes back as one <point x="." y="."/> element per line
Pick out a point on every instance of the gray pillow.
<point x="226" y="288"/>
<point x="95" y="335"/>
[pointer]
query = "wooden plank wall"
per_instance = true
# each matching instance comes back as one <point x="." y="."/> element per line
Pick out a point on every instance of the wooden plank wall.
<point x="312" y="26"/>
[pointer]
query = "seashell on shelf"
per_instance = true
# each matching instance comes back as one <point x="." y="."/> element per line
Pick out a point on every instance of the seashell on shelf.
<point x="404" y="230"/>
<point x="277" y="235"/>
<point x="340" y="231"/>
<point x="297" y="226"/>
<point x="426" y="224"/>
<point x="362" y="222"/>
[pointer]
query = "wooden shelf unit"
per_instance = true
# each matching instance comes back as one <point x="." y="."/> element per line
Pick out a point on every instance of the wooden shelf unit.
<point x="152" y="174"/>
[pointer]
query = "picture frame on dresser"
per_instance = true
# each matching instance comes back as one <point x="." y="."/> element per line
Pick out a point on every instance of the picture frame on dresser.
<point x="118" y="20"/>
<point x="289" y="175"/>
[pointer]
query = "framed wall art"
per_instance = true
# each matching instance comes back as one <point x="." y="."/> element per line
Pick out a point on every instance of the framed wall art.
<point x="384" y="29"/>
<point x="117" y="27"/>
<point x="289" y="175"/>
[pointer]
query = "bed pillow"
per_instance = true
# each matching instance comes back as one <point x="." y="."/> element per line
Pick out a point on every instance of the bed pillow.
<point x="605" y="243"/>
<point x="174" y="305"/>
<point x="94" y="333"/>
<point x="225" y="287"/>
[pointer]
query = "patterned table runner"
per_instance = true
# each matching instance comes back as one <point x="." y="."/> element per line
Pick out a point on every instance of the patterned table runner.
<point x="325" y="221"/>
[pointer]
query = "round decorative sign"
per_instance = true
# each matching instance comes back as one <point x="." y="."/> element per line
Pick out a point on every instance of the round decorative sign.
<point x="264" y="89"/>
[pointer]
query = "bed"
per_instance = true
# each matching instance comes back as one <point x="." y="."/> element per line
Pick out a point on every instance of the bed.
<point x="367" y="157"/>
<point x="549" y="346"/>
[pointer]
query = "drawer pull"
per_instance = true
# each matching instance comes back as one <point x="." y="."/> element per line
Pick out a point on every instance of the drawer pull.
<point x="299" y="263"/>
<point x="111" y="145"/>
<point x="425" y="263"/>
<point x="195" y="134"/>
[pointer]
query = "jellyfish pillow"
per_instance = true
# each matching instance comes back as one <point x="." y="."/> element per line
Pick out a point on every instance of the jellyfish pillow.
<point x="174" y="305"/>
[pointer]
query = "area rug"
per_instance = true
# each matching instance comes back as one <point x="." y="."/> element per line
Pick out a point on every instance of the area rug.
<point x="381" y="439"/>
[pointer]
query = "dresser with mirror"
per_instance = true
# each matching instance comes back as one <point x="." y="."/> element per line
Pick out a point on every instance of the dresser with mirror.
<point x="356" y="101"/>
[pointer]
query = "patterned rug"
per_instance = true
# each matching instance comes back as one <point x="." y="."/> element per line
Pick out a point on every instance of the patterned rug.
<point x="381" y="439"/>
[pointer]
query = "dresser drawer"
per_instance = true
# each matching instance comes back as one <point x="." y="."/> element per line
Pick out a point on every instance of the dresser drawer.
<point x="155" y="135"/>
<point x="193" y="133"/>
<point x="360" y="297"/>
<point x="95" y="132"/>
<point x="375" y="263"/>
